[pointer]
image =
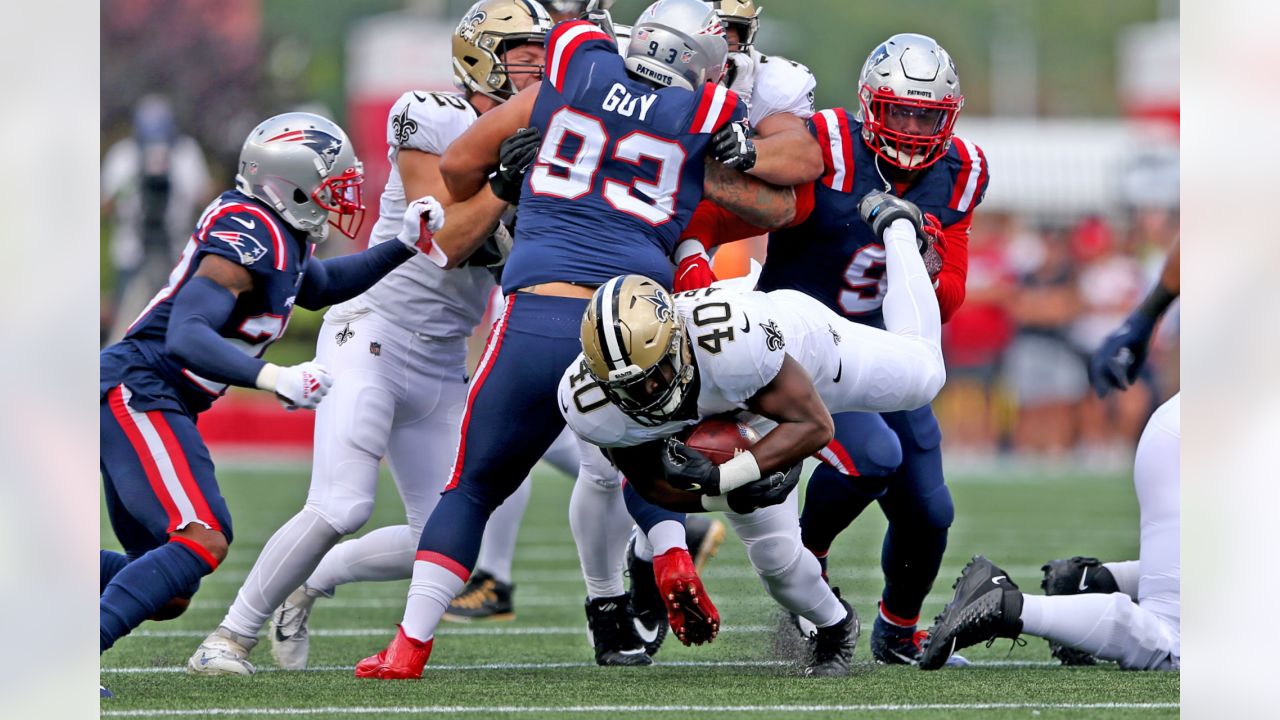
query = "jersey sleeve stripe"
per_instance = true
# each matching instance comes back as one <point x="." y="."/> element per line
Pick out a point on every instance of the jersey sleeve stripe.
<point x="966" y="183"/>
<point x="277" y="239"/>
<point x="837" y="151"/>
<point x="565" y="39"/>
<point x="704" y="105"/>
<point x="729" y="103"/>
<point x="820" y="123"/>
<point x="846" y="146"/>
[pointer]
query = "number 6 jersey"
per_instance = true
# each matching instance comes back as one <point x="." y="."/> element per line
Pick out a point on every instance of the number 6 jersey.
<point x="620" y="169"/>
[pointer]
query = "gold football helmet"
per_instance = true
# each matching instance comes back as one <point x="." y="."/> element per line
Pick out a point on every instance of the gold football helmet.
<point x="740" y="14"/>
<point x="487" y="31"/>
<point x="635" y="347"/>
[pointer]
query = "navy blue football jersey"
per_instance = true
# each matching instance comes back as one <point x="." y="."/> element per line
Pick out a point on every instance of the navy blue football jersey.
<point x="620" y="169"/>
<point x="833" y="255"/>
<point x="248" y="233"/>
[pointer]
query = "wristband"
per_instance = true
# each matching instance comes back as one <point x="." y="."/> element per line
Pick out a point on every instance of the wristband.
<point x="738" y="471"/>
<point x="267" y="377"/>
<point x="689" y="248"/>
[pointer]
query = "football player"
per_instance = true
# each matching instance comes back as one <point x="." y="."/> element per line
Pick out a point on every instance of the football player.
<point x="620" y="168"/>
<point x="247" y="264"/>
<point x="1131" y="616"/>
<point x="651" y="366"/>
<point x="901" y="140"/>
<point x="398" y="352"/>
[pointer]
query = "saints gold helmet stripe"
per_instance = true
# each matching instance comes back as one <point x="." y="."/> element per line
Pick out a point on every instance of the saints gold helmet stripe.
<point x="609" y="329"/>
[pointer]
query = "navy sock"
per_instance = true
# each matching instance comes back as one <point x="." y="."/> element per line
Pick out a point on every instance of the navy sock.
<point x="109" y="563"/>
<point x="645" y="513"/>
<point x="831" y="502"/>
<point x="910" y="560"/>
<point x="146" y="584"/>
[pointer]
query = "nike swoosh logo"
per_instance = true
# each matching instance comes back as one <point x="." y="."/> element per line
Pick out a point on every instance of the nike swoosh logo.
<point x="280" y="636"/>
<point x="839" y="371"/>
<point x="645" y="633"/>
<point x="204" y="659"/>
<point x="637" y="651"/>
<point x="1084" y="576"/>
<point x="248" y="224"/>
<point x="746" y="324"/>
<point x="996" y="580"/>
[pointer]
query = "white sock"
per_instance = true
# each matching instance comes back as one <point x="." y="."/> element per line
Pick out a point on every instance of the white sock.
<point x="382" y="554"/>
<point x="430" y="593"/>
<point x="601" y="527"/>
<point x="666" y="535"/>
<point x="1126" y="575"/>
<point x="642" y="549"/>
<point x="1111" y="626"/>
<point x="498" y="547"/>
<point x="286" y="560"/>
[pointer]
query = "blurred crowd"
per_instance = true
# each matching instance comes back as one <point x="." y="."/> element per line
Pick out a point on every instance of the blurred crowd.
<point x="1040" y="299"/>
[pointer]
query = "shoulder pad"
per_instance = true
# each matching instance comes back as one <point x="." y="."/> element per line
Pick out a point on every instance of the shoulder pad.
<point x="967" y="165"/>
<point x="783" y="86"/>
<point x="244" y="233"/>
<point x="565" y="40"/>
<point x="428" y="121"/>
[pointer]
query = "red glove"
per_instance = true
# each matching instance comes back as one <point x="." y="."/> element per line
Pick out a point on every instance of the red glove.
<point x="693" y="266"/>
<point x="935" y="246"/>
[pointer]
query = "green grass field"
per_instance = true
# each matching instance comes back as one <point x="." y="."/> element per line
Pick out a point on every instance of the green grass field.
<point x="541" y="665"/>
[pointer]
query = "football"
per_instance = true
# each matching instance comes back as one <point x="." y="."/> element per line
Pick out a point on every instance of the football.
<point x="721" y="437"/>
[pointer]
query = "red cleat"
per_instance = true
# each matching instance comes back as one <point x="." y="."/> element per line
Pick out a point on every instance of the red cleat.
<point x="403" y="659"/>
<point x="692" y="617"/>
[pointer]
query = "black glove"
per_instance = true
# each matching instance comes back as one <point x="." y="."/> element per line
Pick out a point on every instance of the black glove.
<point x="515" y="155"/>
<point x="768" y="490"/>
<point x="733" y="147"/>
<point x="493" y="253"/>
<point x="689" y="470"/>
<point x="880" y="209"/>
<point x="1116" y="363"/>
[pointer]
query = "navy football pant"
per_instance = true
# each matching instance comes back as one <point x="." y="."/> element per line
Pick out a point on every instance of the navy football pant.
<point x="895" y="459"/>
<point x="510" y="420"/>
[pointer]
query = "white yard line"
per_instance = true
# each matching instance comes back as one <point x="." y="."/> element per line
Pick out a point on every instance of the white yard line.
<point x="563" y="665"/>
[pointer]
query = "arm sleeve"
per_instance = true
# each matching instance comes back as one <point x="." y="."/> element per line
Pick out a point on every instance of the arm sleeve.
<point x="955" y="268"/>
<point x="200" y="308"/>
<point x="327" y="282"/>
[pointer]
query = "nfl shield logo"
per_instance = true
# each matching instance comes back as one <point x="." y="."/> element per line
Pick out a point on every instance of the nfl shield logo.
<point x="375" y="348"/>
<point x="686" y="56"/>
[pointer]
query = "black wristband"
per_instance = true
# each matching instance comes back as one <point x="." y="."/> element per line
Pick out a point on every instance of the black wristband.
<point x="1156" y="302"/>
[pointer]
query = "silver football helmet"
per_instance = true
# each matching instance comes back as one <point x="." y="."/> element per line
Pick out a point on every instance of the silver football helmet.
<point x="677" y="43"/>
<point x="909" y="97"/>
<point x="304" y="166"/>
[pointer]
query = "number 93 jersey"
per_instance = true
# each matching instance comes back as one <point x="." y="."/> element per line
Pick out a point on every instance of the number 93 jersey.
<point x="739" y="341"/>
<point x="620" y="169"/>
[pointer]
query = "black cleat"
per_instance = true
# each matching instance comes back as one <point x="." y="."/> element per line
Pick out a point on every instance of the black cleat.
<point x="702" y="535"/>
<point x="987" y="605"/>
<point x="613" y="633"/>
<point x="831" y="648"/>
<point x="1075" y="576"/>
<point x="483" y="598"/>
<point x="646" y="602"/>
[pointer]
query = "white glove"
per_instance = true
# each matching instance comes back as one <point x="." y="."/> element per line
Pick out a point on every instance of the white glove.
<point x="743" y="73"/>
<point x="422" y="218"/>
<point x="300" y="386"/>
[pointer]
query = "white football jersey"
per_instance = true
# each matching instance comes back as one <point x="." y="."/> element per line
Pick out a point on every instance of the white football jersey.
<point x="419" y="295"/>
<point x="739" y="341"/>
<point x="771" y="84"/>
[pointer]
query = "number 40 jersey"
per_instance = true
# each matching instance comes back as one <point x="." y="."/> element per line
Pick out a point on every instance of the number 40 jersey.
<point x="620" y="169"/>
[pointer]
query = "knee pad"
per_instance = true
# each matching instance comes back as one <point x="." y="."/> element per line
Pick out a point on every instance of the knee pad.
<point x="171" y="610"/>
<point x="596" y="469"/>
<point x="344" y="512"/>
<point x="774" y="555"/>
<point x="864" y="440"/>
<point x="881" y="453"/>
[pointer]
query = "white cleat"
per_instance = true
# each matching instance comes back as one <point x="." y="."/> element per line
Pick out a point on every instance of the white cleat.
<point x="222" y="653"/>
<point x="290" y="639"/>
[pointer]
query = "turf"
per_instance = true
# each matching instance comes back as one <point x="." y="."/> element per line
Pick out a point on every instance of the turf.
<point x="539" y="665"/>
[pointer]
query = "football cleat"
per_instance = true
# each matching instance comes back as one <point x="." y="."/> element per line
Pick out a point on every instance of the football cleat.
<point x="403" y="659"/>
<point x="896" y="645"/>
<point x="831" y="648"/>
<point x="1074" y="576"/>
<point x="690" y="613"/>
<point x="222" y="653"/>
<point x="612" y="632"/>
<point x="703" y="536"/>
<point x="650" y="613"/>
<point x="290" y="639"/>
<point x="986" y="605"/>
<point x="482" y="598"/>
<point x="103" y="692"/>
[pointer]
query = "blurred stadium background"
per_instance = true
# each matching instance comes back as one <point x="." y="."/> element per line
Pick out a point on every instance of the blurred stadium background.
<point x="1075" y="104"/>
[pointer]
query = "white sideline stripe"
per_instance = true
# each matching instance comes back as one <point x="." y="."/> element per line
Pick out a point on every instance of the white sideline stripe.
<point x="512" y="709"/>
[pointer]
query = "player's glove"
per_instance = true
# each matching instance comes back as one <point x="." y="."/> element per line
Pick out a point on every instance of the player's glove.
<point x="297" y="387"/>
<point x="515" y="155"/>
<point x="1116" y="363"/>
<point x="732" y="146"/>
<point x="880" y="209"/>
<point x="689" y="470"/>
<point x="740" y="75"/>
<point x="934" y="245"/>
<point x="771" y="489"/>
<point x="693" y="267"/>
<point x="422" y="218"/>
<point x="493" y="253"/>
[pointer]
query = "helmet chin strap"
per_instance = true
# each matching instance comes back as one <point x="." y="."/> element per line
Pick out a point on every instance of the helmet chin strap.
<point x="888" y="187"/>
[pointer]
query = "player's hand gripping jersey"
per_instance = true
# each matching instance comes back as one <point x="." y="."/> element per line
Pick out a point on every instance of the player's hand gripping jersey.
<point x="626" y="155"/>
<point x="245" y="232"/>
<point x="419" y="295"/>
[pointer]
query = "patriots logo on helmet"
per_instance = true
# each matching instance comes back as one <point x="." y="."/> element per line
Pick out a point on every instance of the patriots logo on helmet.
<point x="661" y="308"/>
<point x="324" y="144"/>
<point x="246" y="246"/>
<point x="879" y="54"/>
